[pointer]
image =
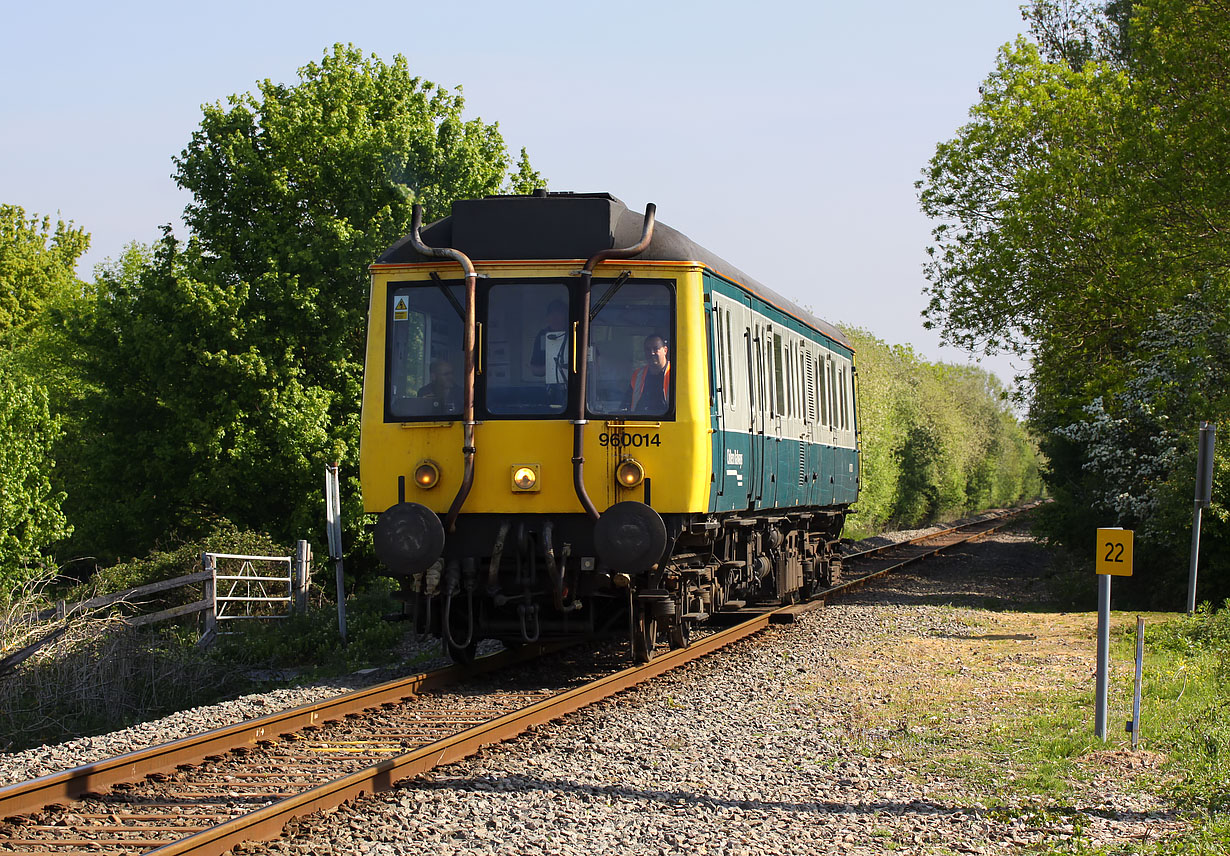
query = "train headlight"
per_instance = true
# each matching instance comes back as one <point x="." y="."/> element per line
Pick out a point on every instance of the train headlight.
<point x="629" y="473"/>
<point x="525" y="478"/>
<point x="426" y="474"/>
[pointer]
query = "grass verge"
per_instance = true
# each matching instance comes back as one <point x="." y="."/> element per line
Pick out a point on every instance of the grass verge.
<point x="1001" y="713"/>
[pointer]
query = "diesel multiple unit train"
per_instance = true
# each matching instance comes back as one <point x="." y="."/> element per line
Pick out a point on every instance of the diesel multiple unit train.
<point x="576" y="421"/>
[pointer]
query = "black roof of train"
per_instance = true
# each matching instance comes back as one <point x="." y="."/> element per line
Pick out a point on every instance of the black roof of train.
<point x="572" y="226"/>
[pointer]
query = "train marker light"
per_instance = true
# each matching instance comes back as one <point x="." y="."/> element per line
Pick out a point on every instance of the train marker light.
<point x="525" y="478"/>
<point x="426" y="474"/>
<point x="629" y="473"/>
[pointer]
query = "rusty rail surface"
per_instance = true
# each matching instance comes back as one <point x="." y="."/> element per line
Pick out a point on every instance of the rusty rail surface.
<point x="269" y="820"/>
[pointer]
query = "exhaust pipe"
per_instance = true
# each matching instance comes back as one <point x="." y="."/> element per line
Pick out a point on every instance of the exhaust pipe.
<point x="467" y="448"/>
<point x="578" y="423"/>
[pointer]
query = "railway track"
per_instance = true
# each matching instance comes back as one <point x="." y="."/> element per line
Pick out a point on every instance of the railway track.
<point x="208" y="793"/>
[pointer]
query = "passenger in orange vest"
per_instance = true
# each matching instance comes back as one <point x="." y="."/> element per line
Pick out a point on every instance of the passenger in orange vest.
<point x="649" y="390"/>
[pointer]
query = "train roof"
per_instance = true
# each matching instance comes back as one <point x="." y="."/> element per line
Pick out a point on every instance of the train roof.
<point x="573" y="226"/>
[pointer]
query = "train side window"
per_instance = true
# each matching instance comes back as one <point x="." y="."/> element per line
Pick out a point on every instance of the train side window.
<point x="822" y="412"/>
<point x="841" y="381"/>
<point x="761" y="392"/>
<point x="751" y="370"/>
<point x="801" y="368"/>
<point x="849" y="398"/>
<point x="801" y="394"/>
<point x="790" y="384"/>
<point x="785" y="352"/>
<point x="834" y="391"/>
<point x="766" y="366"/>
<point x="788" y="355"/>
<point x="778" y="376"/>
<point x="723" y="346"/>
<point x="730" y="357"/>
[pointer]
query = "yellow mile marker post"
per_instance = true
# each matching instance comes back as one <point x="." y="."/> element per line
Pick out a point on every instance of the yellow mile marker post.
<point x="1114" y="558"/>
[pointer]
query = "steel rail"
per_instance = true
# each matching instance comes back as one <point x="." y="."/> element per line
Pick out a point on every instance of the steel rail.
<point x="926" y="536"/>
<point x="269" y="821"/>
<point x="25" y="797"/>
<point x="972" y="531"/>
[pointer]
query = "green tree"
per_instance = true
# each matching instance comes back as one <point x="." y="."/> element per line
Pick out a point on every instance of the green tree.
<point x="37" y="281"/>
<point x="31" y="520"/>
<point x="228" y="369"/>
<point x="1088" y="193"/>
<point x="37" y="268"/>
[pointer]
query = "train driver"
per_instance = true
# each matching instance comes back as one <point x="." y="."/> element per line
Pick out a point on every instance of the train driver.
<point x="651" y="383"/>
<point x="442" y="389"/>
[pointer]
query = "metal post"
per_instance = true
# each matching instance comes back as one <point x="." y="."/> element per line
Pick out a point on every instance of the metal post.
<point x="1134" y="725"/>
<point x="1195" y="559"/>
<point x="333" y="517"/>
<point x="302" y="569"/>
<point x="1103" y="675"/>
<point x="1204" y="495"/>
<point x="211" y="595"/>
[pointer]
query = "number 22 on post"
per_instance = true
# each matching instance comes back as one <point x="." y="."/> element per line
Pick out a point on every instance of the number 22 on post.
<point x="1115" y="552"/>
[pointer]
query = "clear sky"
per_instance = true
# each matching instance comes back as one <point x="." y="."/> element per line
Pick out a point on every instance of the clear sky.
<point x="784" y="136"/>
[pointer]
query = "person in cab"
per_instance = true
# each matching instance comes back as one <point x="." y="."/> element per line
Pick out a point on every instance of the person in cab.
<point x="649" y="389"/>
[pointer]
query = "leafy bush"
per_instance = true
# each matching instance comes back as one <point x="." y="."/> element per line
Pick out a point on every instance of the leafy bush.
<point x="1130" y="459"/>
<point x="938" y="441"/>
<point x="221" y="536"/>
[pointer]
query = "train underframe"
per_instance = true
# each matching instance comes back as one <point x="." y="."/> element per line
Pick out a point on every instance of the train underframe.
<point x="524" y="579"/>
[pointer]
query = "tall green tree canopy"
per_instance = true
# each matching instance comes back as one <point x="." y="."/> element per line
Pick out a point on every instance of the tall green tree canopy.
<point x="1077" y="200"/>
<point x="1086" y="198"/>
<point x="37" y="268"/>
<point x="37" y="277"/>
<point x="229" y="367"/>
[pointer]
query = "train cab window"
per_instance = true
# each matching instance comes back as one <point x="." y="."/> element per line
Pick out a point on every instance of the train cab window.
<point x="631" y="336"/>
<point x="423" y="355"/>
<point x="528" y="352"/>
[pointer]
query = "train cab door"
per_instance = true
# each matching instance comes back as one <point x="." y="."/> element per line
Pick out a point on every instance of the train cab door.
<point x="733" y="472"/>
<point x="717" y="393"/>
<point x="775" y="399"/>
<point x="760" y="409"/>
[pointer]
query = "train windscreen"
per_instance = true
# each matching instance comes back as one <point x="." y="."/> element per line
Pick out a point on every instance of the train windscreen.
<point x="424" y="355"/>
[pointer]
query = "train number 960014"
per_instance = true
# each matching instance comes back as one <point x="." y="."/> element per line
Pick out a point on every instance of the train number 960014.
<point x="620" y="441"/>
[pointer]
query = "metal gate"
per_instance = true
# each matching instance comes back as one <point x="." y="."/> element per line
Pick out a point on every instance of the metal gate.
<point x="247" y="587"/>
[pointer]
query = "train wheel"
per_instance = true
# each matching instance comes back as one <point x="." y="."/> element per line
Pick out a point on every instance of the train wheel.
<point x="644" y="634"/>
